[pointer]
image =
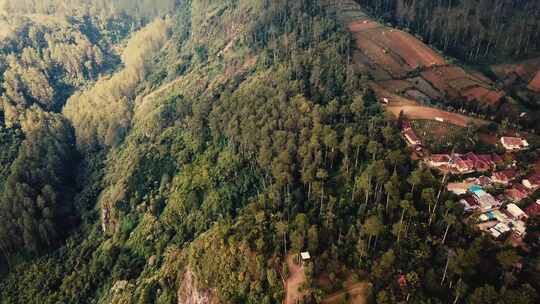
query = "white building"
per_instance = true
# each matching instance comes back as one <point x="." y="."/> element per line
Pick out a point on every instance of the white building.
<point x="516" y="212"/>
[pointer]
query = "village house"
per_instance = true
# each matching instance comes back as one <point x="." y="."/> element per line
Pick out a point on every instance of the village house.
<point x="411" y="138"/>
<point x="519" y="228"/>
<point x="533" y="209"/>
<point x="514" y="143"/>
<point x="406" y="125"/>
<point x="482" y="181"/>
<point x="532" y="182"/>
<point x="438" y="160"/>
<point x="504" y="177"/>
<point x="499" y="231"/>
<point x="517" y="193"/>
<point x="485" y="200"/>
<point x="515" y="212"/>
<point x="469" y="203"/>
<point x="458" y="188"/>
<point x="479" y="164"/>
<point x="462" y="165"/>
<point x="466" y="163"/>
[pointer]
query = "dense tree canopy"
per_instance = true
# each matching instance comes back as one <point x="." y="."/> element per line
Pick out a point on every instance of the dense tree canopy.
<point x="231" y="135"/>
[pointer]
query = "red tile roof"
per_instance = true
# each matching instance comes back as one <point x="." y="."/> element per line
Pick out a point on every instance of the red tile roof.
<point x="440" y="158"/>
<point x="481" y="165"/>
<point x="464" y="164"/>
<point x="505" y="175"/>
<point x="513" y="142"/>
<point x="406" y="125"/>
<point x="516" y="194"/>
<point x="411" y="135"/>
<point x="471" y="201"/>
<point x="521" y="188"/>
<point x="486" y="157"/>
<point x="471" y="156"/>
<point x="484" y="180"/>
<point x="533" y="209"/>
<point x="534" y="179"/>
<point x="497" y="158"/>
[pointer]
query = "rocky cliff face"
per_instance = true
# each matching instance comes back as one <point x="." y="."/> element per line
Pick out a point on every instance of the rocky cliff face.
<point x="190" y="291"/>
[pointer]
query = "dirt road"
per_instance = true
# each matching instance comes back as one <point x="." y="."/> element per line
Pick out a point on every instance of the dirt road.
<point x="357" y="294"/>
<point x="428" y="113"/>
<point x="294" y="281"/>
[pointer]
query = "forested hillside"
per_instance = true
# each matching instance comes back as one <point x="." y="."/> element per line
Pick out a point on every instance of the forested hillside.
<point x="45" y="57"/>
<point x="194" y="145"/>
<point x="480" y="30"/>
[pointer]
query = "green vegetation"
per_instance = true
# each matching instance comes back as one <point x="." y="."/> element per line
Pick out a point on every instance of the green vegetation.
<point x="440" y="137"/>
<point x="229" y="135"/>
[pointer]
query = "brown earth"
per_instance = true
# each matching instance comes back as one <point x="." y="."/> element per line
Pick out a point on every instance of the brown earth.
<point x="490" y="138"/>
<point x="439" y="82"/>
<point x="405" y="65"/>
<point x="409" y="49"/>
<point x="425" y="87"/>
<point x="524" y="70"/>
<point x="362" y="25"/>
<point x="396" y="86"/>
<point x="414" y="51"/>
<point x="357" y="293"/>
<point x="534" y="85"/>
<point x="393" y="98"/>
<point x="461" y="84"/>
<point x="294" y="281"/>
<point x="486" y="96"/>
<point x="380" y="55"/>
<point x="427" y="113"/>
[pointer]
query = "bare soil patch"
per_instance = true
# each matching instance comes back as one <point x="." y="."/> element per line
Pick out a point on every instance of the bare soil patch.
<point x="379" y="54"/>
<point x="489" y="138"/>
<point x="356" y="293"/>
<point x="461" y="84"/>
<point x="412" y="50"/>
<point x="526" y="70"/>
<point x="534" y="85"/>
<point x="396" y="86"/>
<point x="476" y="93"/>
<point x="362" y="25"/>
<point x="425" y="87"/>
<point x="427" y="113"/>
<point x="394" y="99"/>
<point x="294" y="282"/>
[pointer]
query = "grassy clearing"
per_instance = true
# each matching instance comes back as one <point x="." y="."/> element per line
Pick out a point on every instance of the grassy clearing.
<point x="438" y="136"/>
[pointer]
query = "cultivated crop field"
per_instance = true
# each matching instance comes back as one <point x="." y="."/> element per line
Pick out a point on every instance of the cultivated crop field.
<point x="402" y="64"/>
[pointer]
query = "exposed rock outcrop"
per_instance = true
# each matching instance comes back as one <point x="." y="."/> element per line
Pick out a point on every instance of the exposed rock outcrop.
<point x="190" y="291"/>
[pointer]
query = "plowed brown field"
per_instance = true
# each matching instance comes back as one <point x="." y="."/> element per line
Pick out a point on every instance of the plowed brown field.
<point x="406" y="70"/>
<point x="358" y="26"/>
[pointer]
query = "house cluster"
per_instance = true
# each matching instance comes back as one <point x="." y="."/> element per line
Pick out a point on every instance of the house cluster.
<point x="499" y="216"/>
<point x="464" y="163"/>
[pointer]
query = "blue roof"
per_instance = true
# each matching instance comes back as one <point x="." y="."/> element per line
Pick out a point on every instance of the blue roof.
<point x="475" y="188"/>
